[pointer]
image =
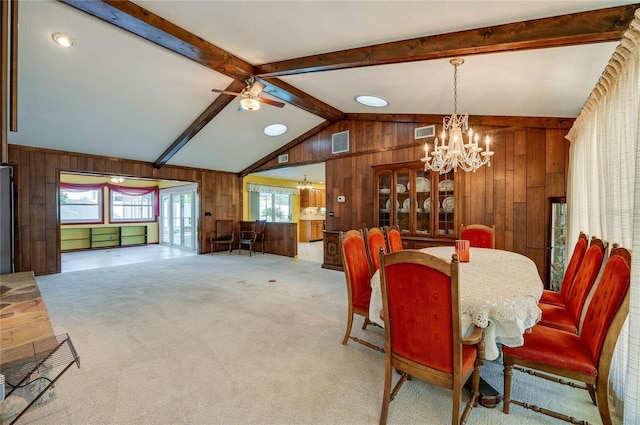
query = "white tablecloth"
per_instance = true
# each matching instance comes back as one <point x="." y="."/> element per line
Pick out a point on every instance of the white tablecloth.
<point x="499" y="292"/>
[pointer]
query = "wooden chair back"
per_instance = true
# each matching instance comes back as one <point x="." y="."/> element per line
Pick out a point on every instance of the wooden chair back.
<point x="479" y="235"/>
<point x="375" y="240"/>
<point x="394" y="239"/>
<point x="577" y="256"/>
<point x="586" y="277"/>
<point x="420" y="297"/>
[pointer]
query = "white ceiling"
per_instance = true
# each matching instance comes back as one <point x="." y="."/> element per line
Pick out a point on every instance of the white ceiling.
<point x="114" y="94"/>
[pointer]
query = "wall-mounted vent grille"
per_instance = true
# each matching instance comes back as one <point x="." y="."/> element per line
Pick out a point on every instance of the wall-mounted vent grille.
<point x="283" y="158"/>
<point x="424" y="132"/>
<point x="340" y="142"/>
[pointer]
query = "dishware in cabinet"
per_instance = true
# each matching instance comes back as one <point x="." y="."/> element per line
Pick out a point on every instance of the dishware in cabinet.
<point x="556" y="253"/>
<point x="384" y="181"/>
<point x="446" y="204"/>
<point x="409" y="197"/>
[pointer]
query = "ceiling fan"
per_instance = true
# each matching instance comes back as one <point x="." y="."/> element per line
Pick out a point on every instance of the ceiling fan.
<point x="250" y="96"/>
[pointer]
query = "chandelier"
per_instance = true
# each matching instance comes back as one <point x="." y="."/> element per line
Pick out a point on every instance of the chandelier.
<point x="304" y="184"/>
<point x="456" y="154"/>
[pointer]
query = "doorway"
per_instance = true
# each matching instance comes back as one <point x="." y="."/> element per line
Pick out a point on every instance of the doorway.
<point x="179" y="217"/>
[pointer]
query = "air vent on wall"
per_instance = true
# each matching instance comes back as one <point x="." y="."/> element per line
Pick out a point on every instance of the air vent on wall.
<point x="340" y="142"/>
<point x="424" y="132"/>
<point x="283" y="158"/>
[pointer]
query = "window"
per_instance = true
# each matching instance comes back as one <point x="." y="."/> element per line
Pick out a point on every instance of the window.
<point x="275" y="207"/>
<point x="132" y="207"/>
<point x="80" y="205"/>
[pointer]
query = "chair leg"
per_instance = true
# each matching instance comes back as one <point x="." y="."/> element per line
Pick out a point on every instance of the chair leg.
<point x="386" y="398"/>
<point x="349" y="323"/>
<point x="508" y="372"/>
<point x="603" y="400"/>
<point x="592" y="393"/>
<point x="366" y="323"/>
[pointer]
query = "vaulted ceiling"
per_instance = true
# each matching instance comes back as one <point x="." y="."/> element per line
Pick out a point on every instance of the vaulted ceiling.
<point x="137" y="81"/>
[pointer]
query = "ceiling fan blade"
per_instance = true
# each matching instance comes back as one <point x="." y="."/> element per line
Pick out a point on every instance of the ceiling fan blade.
<point x="226" y="92"/>
<point x="257" y="88"/>
<point x="271" y="102"/>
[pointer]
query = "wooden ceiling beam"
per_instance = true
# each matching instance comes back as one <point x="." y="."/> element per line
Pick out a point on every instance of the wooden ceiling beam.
<point x="576" y="28"/>
<point x="141" y="22"/>
<point x="198" y="124"/>
<point x="487" y="120"/>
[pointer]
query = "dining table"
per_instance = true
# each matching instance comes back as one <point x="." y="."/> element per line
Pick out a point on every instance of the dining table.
<point x="499" y="292"/>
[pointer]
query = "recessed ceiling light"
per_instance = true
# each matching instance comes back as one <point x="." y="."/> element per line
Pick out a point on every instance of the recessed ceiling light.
<point x="275" y="129"/>
<point x="61" y="39"/>
<point x="374" y="101"/>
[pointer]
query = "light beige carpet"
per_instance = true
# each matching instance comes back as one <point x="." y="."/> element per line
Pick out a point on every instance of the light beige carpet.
<point x="229" y="339"/>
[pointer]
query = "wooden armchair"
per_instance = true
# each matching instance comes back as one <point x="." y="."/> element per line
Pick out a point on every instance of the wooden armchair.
<point x="479" y="235"/>
<point x="585" y="357"/>
<point x="422" y="329"/>
<point x="358" y="277"/>
<point x="222" y="235"/>
<point x="252" y="235"/>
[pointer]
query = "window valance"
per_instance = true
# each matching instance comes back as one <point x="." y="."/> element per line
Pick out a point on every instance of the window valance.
<point x="263" y="188"/>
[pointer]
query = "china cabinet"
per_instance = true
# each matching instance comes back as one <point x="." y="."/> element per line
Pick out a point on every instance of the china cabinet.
<point x="425" y="205"/>
<point x="556" y="253"/>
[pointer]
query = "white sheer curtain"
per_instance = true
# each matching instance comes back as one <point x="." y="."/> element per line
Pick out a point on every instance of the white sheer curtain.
<point x="604" y="193"/>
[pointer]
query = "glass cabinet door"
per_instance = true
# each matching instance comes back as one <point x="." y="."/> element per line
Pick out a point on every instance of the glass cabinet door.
<point x="402" y="207"/>
<point x="423" y="203"/>
<point x="384" y="199"/>
<point x="446" y="204"/>
<point x="557" y="243"/>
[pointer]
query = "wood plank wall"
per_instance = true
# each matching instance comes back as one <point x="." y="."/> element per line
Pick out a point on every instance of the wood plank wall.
<point x="529" y="165"/>
<point x="36" y="173"/>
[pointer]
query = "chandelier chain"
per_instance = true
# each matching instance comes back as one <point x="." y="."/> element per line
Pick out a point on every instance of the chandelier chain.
<point x="455" y="89"/>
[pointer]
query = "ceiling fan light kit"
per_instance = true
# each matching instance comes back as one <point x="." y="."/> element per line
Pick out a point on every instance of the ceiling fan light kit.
<point x="251" y="99"/>
<point x="456" y="154"/>
<point x="249" y="104"/>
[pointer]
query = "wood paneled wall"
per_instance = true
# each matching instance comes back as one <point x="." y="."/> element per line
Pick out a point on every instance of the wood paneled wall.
<point x="36" y="173"/>
<point x="529" y="165"/>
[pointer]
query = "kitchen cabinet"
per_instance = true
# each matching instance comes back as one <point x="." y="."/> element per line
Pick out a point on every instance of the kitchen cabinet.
<point x="312" y="198"/>
<point x="311" y="230"/>
<point x="426" y="206"/>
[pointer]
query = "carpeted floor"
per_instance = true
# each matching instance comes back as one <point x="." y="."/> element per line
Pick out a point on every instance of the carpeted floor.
<point x="229" y="339"/>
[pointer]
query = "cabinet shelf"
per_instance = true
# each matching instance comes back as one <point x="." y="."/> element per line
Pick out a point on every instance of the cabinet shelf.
<point x="398" y="183"/>
<point x="80" y="238"/>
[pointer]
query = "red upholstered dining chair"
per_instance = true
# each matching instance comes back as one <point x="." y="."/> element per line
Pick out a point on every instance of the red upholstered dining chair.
<point x="358" y="276"/>
<point x="560" y="298"/>
<point x="567" y="317"/>
<point x="375" y="240"/>
<point x="394" y="240"/>
<point x="585" y="357"/>
<point x="422" y="330"/>
<point x="479" y="235"/>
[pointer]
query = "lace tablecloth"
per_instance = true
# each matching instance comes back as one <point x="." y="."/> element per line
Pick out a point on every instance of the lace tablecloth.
<point x="499" y="292"/>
